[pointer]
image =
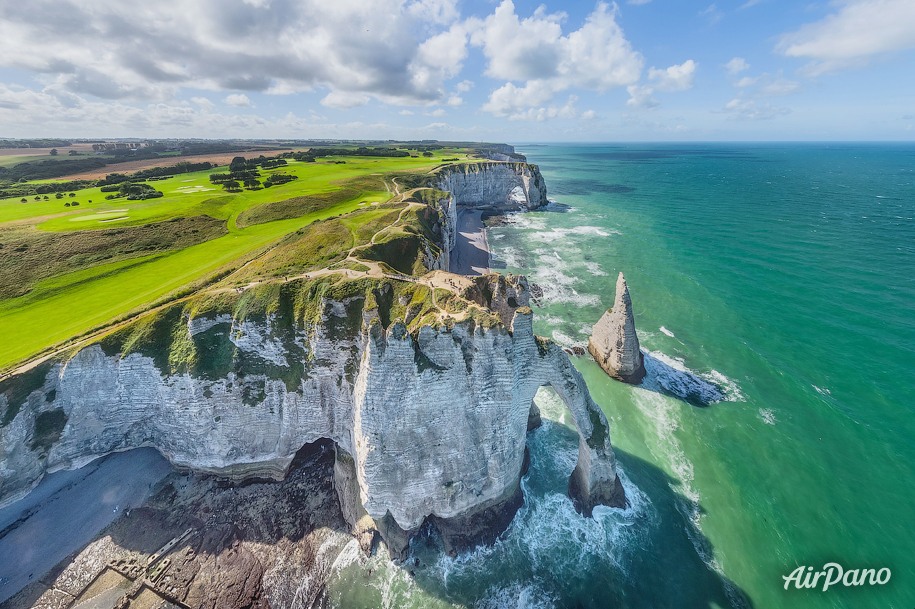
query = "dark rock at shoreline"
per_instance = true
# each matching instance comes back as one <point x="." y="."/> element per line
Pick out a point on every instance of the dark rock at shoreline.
<point x="232" y="540"/>
<point x="533" y="418"/>
<point x="536" y="294"/>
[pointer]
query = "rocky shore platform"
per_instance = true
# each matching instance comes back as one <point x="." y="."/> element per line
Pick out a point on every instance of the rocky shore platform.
<point x="200" y="541"/>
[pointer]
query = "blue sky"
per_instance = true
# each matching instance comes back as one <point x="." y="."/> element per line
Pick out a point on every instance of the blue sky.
<point x="471" y="70"/>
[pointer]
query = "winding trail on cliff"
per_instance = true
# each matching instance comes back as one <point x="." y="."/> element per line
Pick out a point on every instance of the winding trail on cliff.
<point x="433" y="280"/>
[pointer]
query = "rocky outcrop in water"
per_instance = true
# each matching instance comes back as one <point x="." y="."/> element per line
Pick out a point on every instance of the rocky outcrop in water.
<point x="614" y="343"/>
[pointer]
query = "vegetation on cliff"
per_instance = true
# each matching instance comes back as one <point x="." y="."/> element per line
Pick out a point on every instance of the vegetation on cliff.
<point x="82" y="262"/>
<point x="296" y="312"/>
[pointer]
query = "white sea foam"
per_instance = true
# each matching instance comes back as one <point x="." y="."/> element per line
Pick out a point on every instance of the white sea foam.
<point x="767" y="415"/>
<point x="731" y="388"/>
<point x="518" y="595"/>
<point x="552" y="320"/>
<point x="822" y="390"/>
<point x="525" y="221"/>
<point x="667" y="332"/>
<point x="594" y="230"/>
<point x="393" y="583"/>
<point x="548" y="534"/>
<point x="511" y="256"/>
<point x="564" y="340"/>
<point x="552" y="408"/>
<point x="595" y="269"/>
<point x="553" y="536"/>
<point x="554" y="234"/>
<point x="664" y="413"/>
<point x="347" y="556"/>
<point x="559" y="285"/>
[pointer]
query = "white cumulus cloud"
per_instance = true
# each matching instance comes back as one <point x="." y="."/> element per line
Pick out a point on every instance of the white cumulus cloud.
<point x="151" y="50"/>
<point x="343" y="100"/>
<point x="737" y="65"/>
<point x="678" y="77"/>
<point x="239" y="100"/>
<point x="750" y="109"/>
<point x="675" y="78"/>
<point x="858" y="31"/>
<point x="538" y="60"/>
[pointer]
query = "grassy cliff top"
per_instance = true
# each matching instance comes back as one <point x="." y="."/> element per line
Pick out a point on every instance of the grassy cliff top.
<point x="77" y="264"/>
<point x="332" y="306"/>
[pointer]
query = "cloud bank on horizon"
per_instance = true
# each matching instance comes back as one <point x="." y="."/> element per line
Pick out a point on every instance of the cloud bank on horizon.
<point x="519" y="71"/>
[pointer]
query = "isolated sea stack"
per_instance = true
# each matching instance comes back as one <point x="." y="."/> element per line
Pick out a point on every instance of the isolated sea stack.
<point x="614" y="344"/>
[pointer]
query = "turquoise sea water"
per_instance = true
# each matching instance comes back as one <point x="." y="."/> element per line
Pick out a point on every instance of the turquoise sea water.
<point x="786" y="275"/>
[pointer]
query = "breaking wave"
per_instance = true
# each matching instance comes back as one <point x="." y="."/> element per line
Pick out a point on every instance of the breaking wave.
<point x="549" y="546"/>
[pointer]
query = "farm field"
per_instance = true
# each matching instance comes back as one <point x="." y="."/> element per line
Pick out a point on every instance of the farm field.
<point x="14" y="156"/>
<point x="149" y="265"/>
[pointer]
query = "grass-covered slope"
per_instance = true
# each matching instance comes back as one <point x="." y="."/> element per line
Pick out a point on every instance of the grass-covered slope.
<point x="73" y="264"/>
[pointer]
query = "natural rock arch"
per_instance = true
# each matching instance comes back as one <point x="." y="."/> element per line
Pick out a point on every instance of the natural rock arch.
<point x="457" y="447"/>
<point x="435" y="421"/>
<point x="594" y="480"/>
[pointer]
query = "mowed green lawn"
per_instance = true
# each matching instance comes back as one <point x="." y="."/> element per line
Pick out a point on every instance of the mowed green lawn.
<point x="69" y="305"/>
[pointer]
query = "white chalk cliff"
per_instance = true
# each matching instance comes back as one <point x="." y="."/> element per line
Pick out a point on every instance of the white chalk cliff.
<point x="614" y="343"/>
<point x="431" y="419"/>
<point x="491" y="186"/>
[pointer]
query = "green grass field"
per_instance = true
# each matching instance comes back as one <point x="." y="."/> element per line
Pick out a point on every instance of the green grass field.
<point x="103" y="286"/>
<point x="8" y="160"/>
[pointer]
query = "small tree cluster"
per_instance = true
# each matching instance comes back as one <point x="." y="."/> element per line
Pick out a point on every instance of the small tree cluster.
<point x="134" y="191"/>
<point x="241" y="172"/>
<point x="279" y="178"/>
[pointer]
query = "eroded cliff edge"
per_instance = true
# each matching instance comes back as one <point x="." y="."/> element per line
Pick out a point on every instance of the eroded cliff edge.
<point x="425" y="391"/>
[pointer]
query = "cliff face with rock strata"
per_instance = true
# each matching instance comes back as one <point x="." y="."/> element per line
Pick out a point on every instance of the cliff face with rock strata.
<point x="496" y="187"/>
<point x="429" y="410"/>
